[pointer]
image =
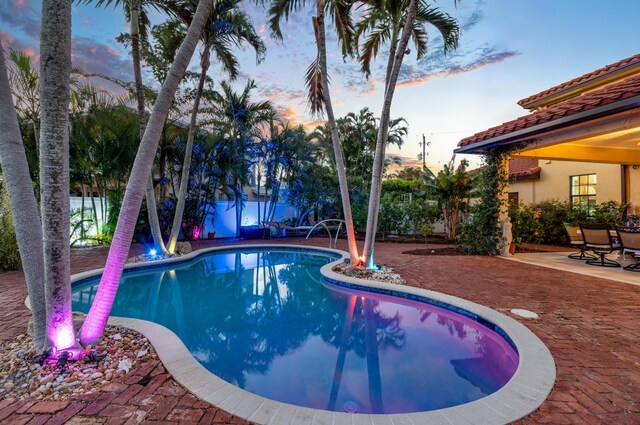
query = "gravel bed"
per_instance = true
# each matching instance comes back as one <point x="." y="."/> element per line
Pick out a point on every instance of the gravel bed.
<point x="22" y="376"/>
<point x="382" y="274"/>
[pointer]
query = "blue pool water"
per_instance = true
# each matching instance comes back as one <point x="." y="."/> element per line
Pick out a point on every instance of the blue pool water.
<point x="265" y="321"/>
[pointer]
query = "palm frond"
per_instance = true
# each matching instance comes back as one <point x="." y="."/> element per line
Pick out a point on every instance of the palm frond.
<point x="279" y="10"/>
<point x="340" y="11"/>
<point x="443" y="22"/>
<point x="370" y="48"/>
<point x="227" y="59"/>
<point x="315" y="94"/>
<point x="420" y="39"/>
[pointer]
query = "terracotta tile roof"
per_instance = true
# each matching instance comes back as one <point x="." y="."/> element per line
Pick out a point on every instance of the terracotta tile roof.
<point x="523" y="167"/>
<point x="615" y="92"/>
<point x="584" y="78"/>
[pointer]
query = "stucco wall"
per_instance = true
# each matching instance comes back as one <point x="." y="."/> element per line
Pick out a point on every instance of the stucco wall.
<point x="555" y="176"/>
<point x="634" y="188"/>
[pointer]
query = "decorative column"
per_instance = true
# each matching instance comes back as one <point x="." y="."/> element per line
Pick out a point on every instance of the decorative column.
<point x="504" y="221"/>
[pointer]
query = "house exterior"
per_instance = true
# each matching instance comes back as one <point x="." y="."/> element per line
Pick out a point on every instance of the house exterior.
<point x="593" y="119"/>
<point x="533" y="180"/>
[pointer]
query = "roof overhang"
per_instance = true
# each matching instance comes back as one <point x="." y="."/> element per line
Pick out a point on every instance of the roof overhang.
<point x="588" y="136"/>
<point x="572" y="90"/>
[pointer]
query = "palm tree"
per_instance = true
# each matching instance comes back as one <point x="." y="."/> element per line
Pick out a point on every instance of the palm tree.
<point x="240" y="119"/>
<point x="318" y="84"/>
<point x="55" y="76"/>
<point x="99" y="313"/>
<point x="226" y="26"/>
<point x="15" y="170"/>
<point x="25" y="87"/>
<point x="137" y="14"/>
<point x="396" y="22"/>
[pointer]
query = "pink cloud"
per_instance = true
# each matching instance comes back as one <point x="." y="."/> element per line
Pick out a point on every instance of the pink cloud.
<point x="22" y="4"/>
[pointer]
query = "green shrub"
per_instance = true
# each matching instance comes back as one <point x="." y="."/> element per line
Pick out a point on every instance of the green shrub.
<point x="525" y="224"/>
<point x="392" y="216"/>
<point x="612" y="213"/>
<point x="422" y="215"/>
<point x="9" y="254"/>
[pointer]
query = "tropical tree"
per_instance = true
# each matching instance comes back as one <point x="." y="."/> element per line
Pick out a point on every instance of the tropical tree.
<point x="227" y="26"/>
<point x="240" y="120"/>
<point x="99" y="313"/>
<point x="317" y="80"/>
<point x="55" y="75"/>
<point x="25" y="87"/>
<point x="137" y="15"/>
<point x="26" y="219"/>
<point x="453" y="187"/>
<point x="395" y="22"/>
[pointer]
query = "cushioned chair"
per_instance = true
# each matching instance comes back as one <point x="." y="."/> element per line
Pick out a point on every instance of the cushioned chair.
<point x="630" y="243"/>
<point x="598" y="239"/>
<point x="575" y="239"/>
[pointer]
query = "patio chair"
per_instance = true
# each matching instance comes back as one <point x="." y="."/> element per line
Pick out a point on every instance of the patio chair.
<point x="285" y="230"/>
<point x="630" y="242"/>
<point x="597" y="238"/>
<point x="575" y="239"/>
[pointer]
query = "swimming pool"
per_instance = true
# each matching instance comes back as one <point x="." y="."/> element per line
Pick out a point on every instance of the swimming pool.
<point x="267" y="321"/>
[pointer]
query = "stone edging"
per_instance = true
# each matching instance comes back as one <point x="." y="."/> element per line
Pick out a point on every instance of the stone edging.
<point x="527" y="389"/>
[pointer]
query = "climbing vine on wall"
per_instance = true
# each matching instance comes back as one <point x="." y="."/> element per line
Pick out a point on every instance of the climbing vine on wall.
<point x="482" y="234"/>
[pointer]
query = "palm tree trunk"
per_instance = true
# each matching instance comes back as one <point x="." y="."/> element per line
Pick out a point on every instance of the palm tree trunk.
<point x="381" y="142"/>
<point x="150" y="197"/>
<point x="335" y="139"/>
<point x="99" y="313"/>
<point x="82" y="213"/>
<point x="55" y="74"/>
<point x="93" y="205"/>
<point x="186" y="165"/>
<point x="238" y="201"/>
<point x="26" y="219"/>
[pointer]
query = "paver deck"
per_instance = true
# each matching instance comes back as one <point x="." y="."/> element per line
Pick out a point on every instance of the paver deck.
<point x="590" y="324"/>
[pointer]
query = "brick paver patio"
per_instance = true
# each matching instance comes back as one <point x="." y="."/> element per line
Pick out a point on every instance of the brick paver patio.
<point x="591" y="326"/>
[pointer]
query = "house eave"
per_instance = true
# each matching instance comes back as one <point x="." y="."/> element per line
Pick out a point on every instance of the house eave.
<point x="576" y="89"/>
<point x="527" y="133"/>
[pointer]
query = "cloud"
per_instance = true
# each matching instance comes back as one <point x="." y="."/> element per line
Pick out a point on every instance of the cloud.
<point x="8" y="40"/>
<point x="430" y="68"/>
<point x="99" y="58"/>
<point x="353" y="80"/>
<point x="288" y="113"/>
<point x="278" y="93"/>
<point x="474" y="19"/>
<point x="20" y="16"/>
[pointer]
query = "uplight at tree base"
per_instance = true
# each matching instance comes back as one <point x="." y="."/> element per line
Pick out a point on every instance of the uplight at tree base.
<point x="62" y="337"/>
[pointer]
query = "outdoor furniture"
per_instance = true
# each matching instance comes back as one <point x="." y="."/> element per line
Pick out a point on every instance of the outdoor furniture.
<point x="630" y="242"/>
<point x="597" y="238"/>
<point x="575" y="239"/>
<point x="285" y="230"/>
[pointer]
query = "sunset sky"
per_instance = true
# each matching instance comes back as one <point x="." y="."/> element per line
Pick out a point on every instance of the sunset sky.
<point x="509" y="49"/>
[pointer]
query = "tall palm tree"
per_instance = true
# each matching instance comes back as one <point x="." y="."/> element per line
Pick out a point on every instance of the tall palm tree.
<point x="99" y="313"/>
<point x="227" y="26"/>
<point x="137" y="14"/>
<point x="395" y="22"/>
<point x="55" y="76"/>
<point x="240" y="119"/>
<point x="25" y="87"/>
<point x="26" y="220"/>
<point x="318" y="84"/>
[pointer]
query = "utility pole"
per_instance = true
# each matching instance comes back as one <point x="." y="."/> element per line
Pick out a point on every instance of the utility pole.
<point x="424" y="151"/>
<point x="423" y="156"/>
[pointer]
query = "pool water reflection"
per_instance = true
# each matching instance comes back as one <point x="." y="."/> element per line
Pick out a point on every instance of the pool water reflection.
<point x="265" y="321"/>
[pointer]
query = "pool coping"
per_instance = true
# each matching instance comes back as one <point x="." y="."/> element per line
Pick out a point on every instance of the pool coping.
<point x="526" y="390"/>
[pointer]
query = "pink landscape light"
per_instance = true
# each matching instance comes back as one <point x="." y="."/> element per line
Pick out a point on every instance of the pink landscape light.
<point x="98" y="315"/>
